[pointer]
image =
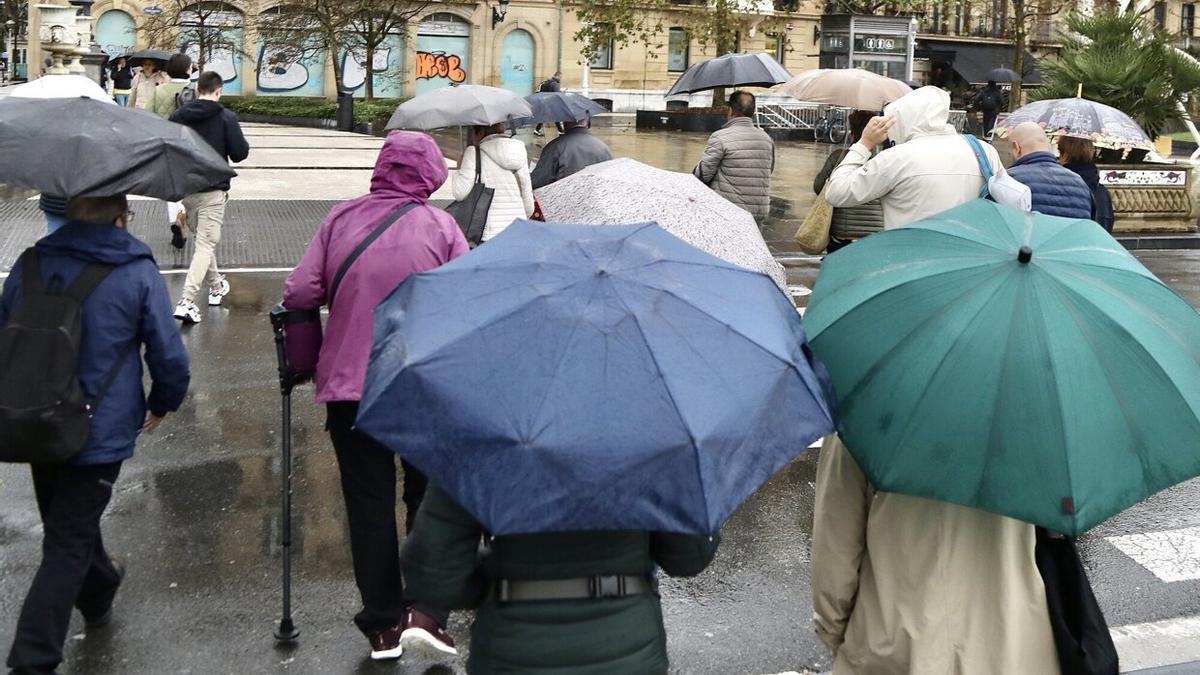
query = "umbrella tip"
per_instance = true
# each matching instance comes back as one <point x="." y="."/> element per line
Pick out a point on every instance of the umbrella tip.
<point x="1025" y="255"/>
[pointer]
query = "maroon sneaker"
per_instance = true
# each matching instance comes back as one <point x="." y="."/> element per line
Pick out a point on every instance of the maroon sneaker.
<point x="385" y="645"/>
<point x="422" y="633"/>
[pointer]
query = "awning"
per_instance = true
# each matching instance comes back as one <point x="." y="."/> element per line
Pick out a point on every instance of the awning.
<point x="973" y="61"/>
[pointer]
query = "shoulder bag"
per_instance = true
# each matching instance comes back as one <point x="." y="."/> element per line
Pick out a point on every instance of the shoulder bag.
<point x="813" y="234"/>
<point x="471" y="212"/>
<point x="1081" y="635"/>
<point x="299" y="332"/>
<point x="1001" y="187"/>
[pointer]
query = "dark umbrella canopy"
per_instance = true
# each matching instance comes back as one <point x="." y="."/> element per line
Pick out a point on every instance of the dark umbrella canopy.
<point x="1003" y="75"/>
<point x="731" y="70"/>
<point x="79" y="147"/>
<point x="136" y="58"/>
<point x="612" y="377"/>
<point x="558" y="106"/>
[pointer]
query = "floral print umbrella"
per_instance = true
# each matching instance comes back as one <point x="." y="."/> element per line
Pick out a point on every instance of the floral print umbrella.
<point x="1104" y="126"/>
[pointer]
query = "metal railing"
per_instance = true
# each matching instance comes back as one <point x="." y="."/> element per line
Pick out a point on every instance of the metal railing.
<point x="797" y="115"/>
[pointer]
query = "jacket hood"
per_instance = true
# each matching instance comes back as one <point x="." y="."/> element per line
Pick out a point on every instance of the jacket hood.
<point x="411" y="165"/>
<point x="509" y="153"/>
<point x="923" y="112"/>
<point x="104" y="244"/>
<point x="1087" y="171"/>
<point x="198" y="111"/>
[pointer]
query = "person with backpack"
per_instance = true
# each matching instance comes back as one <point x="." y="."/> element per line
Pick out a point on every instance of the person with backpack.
<point x="220" y="128"/>
<point x="169" y="97"/>
<point x="363" y="250"/>
<point x="73" y="406"/>
<point x="989" y="101"/>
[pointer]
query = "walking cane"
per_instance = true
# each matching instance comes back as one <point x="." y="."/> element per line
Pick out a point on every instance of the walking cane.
<point x="288" y="379"/>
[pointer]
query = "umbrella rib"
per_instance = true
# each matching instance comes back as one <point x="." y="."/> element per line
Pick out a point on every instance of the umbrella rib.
<point x="908" y="425"/>
<point x="671" y="395"/>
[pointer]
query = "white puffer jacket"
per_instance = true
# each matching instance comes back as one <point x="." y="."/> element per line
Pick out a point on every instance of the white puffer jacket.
<point x="506" y="170"/>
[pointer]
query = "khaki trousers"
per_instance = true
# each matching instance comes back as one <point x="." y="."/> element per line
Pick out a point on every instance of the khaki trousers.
<point x="206" y="214"/>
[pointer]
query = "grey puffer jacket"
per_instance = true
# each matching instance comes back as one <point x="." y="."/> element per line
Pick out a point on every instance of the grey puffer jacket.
<point x="737" y="165"/>
<point x="849" y="222"/>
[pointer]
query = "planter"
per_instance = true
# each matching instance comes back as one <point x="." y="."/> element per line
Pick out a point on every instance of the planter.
<point x="681" y="120"/>
<point x="1152" y="197"/>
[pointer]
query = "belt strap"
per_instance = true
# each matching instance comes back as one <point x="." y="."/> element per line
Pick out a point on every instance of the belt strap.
<point x="580" y="588"/>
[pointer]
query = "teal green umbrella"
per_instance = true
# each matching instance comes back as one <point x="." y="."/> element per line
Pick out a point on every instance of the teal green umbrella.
<point x="1018" y="363"/>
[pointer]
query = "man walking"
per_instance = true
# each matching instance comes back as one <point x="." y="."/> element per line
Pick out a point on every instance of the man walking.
<point x="127" y="310"/>
<point x="552" y="85"/>
<point x="989" y="101"/>
<point x="739" y="159"/>
<point x="206" y="210"/>
<point x="1056" y="190"/>
<point x="575" y="150"/>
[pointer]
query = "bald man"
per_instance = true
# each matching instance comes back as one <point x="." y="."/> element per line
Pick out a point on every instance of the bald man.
<point x="1057" y="191"/>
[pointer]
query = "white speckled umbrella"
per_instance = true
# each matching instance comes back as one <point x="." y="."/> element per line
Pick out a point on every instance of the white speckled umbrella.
<point x="625" y="191"/>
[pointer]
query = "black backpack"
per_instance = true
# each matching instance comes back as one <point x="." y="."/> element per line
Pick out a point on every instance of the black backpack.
<point x="185" y="96"/>
<point x="44" y="416"/>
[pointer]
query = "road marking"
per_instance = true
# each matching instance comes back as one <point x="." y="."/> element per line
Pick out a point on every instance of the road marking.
<point x="1173" y="555"/>
<point x="1158" y="643"/>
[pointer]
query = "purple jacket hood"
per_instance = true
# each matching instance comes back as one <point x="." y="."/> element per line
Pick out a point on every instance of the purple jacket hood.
<point x="409" y="169"/>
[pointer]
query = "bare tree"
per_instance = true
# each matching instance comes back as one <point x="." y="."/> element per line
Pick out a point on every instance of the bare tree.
<point x="1025" y="17"/>
<point x="373" y="23"/>
<point x="207" y="28"/>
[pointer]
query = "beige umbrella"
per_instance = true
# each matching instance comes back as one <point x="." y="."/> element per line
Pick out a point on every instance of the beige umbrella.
<point x="846" y="87"/>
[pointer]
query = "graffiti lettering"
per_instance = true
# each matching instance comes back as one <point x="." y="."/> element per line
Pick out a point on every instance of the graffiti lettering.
<point x="440" y="64"/>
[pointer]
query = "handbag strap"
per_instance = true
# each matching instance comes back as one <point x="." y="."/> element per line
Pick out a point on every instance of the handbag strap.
<point x="478" y="165"/>
<point x="362" y="246"/>
<point x="985" y="166"/>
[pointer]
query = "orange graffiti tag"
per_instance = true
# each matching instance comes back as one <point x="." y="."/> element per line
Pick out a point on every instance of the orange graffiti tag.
<point x="439" y="64"/>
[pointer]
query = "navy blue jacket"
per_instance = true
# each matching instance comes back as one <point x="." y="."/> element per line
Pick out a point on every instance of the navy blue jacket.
<point x="1057" y="191"/>
<point x="128" y="310"/>
<point x="1102" y="206"/>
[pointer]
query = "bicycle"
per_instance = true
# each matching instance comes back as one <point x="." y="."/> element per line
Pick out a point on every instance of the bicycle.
<point x="832" y="126"/>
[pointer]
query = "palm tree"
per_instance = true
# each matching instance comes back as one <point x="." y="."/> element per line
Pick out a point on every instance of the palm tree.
<point x="1122" y="60"/>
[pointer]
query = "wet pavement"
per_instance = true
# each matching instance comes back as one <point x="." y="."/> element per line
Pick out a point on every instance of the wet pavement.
<point x="196" y="517"/>
<point x="195" y="514"/>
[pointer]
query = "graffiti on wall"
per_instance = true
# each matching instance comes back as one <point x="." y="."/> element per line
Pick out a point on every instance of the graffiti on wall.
<point x="224" y="60"/>
<point x="432" y="65"/>
<point x="282" y="76"/>
<point x="115" y="32"/>
<point x="387" y="63"/>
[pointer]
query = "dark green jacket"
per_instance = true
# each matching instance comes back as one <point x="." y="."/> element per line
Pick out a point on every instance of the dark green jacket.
<point x="443" y="568"/>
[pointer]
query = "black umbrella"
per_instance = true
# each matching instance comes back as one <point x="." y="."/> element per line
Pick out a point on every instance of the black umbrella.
<point x="731" y="70"/>
<point x="135" y="59"/>
<point x="557" y="106"/>
<point x="1003" y="75"/>
<point x="79" y="147"/>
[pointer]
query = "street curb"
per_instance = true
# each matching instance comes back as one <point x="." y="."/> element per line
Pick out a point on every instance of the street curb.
<point x="1160" y="242"/>
<point x="1189" y="668"/>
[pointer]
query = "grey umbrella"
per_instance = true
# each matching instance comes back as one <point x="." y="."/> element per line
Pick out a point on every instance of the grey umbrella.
<point x="1003" y="75"/>
<point x="136" y="58"/>
<point x="625" y="191"/>
<point x="461" y="106"/>
<point x="557" y="106"/>
<point x="731" y="70"/>
<point x="79" y="147"/>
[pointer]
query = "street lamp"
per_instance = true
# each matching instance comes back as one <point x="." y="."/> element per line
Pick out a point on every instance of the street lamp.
<point x="12" y="46"/>
<point x="499" y="14"/>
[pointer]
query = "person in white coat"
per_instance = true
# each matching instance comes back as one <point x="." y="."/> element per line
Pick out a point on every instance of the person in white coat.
<point x="505" y="170"/>
<point x="931" y="169"/>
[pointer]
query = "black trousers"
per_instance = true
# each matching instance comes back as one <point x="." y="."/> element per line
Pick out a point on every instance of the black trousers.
<point x="75" y="571"/>
<point x="368" y="473"/>
<point x="989" y="121"/>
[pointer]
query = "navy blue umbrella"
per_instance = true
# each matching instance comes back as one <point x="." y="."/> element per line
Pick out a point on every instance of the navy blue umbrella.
<point x="557" y="106"/>
<point x="572" y="377"/>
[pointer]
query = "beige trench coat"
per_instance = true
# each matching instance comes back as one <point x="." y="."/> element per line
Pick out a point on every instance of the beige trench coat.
<point x="914" y="586"/>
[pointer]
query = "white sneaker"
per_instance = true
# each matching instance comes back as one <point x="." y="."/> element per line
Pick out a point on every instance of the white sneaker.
<point x="187" y="312"/>
<point x="218" y="290"/>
